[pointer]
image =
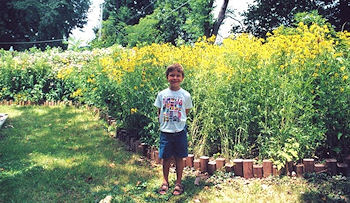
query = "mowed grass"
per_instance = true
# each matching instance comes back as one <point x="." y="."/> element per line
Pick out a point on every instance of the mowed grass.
<point x="63" y="154"/>
<point x="66" y="154"/>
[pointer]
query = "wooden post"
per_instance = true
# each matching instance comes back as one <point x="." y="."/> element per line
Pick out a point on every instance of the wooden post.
<point x="238" y="167"/>
<point x="267" y="168"/>
<point x="257" y="171"/>
<point x="197" y="164"/>
<point x="189" y="161"/>
<point x="331" y="166"/>
<point x="220" y="163"/>
<point x="211" y="167"/>
<point x="309" y="165"/>
<point x="204" y="163"/>
<point x="248" y="168"/>
<point x="299" y="170"/>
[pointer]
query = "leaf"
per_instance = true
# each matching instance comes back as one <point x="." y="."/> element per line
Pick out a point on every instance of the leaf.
<point x="339" y="135"/>
<point x="336" y="150"/>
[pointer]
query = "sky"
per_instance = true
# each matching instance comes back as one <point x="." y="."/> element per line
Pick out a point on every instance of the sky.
<point x="86" y="33"/>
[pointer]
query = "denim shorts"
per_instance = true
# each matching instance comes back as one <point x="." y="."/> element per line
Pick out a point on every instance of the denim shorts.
<point x="173" y="144"/>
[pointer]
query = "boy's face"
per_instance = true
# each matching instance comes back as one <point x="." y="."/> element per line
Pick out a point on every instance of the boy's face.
<point x="175" y="78"/>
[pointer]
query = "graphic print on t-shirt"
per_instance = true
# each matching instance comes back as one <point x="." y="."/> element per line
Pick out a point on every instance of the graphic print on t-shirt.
<point x="172" y="109"/>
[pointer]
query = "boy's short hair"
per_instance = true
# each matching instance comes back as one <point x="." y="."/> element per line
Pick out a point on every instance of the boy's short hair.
<point x="173" y="67"/>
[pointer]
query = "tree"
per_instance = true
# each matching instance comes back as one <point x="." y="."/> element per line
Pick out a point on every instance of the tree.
<point x="144" y="33"/>
<point x="172" y="21"/>
<point x="220" y="19"/>
<point x="117" y="16"/>
<point x="25" y="21"/>
<point x="263" y="16"/>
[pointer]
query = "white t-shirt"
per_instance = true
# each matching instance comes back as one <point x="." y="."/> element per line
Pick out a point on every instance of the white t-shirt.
<point x="173" y="105"/>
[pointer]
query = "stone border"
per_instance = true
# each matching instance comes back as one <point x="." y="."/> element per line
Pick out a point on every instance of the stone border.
<point x="240" y="167"/>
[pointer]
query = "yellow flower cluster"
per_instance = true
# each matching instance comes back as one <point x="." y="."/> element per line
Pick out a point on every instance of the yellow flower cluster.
<point x="112" y="71"/>
<point x="285" y="50"/>
<point x="65" y="72"/>
<point x="307" y="42"/>
<point x="91" y="79"/>
<point x="133" y="110"/>
<point x="77" y="93"/>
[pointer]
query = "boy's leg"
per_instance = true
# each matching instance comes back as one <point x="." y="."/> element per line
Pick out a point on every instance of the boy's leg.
<point x="181" y="151"/>
<point x="179" y="169"/>
<point x="166" y="168"/>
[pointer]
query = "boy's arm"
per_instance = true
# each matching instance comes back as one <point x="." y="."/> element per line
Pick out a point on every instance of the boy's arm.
<point x="158" y="113"/>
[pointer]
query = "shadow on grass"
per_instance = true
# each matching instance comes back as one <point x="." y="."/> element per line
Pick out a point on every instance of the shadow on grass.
<point x="64" y="154"/>
<point x="327" y="188"/>
<point x="147" y="192"/>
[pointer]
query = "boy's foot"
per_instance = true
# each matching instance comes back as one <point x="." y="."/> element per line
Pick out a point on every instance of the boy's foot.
<point x="178" y="190"/>
<point x="163" y="189"/>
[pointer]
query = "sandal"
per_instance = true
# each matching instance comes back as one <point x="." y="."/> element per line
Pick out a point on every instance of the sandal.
<point x="163" y="189"/>
<point x="178" y="190"/>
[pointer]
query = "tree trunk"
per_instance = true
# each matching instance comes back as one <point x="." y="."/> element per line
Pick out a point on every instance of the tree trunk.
<point x="207" y="24"/>
<point x="221" y="18"/>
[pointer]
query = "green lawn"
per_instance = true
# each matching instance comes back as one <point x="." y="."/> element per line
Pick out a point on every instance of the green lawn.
<point x="65" y="154"/>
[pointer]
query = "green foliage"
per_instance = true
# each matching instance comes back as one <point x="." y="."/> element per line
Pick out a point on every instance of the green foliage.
<point x="144" y="33"/>
<point x="155" y="22"/>
<point x="118" y="15"/>
<point x="264" y="16"/>
<point x="28" y="20"/>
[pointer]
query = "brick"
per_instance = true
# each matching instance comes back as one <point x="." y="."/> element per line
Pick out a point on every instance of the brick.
<point x="211" y="167"/>
<point x="204" y="163"/>
<point x="248" y="168"/>
<point x="267" y="168"/>
<point x="220" y="163"/>
<point x="309" y="165"/>
<point x="299" y="170"/>
<point x="257" y="171"/>
<point x="197" y="164"/>
<point x="319" y="168"/>
<point x="189" y="161"/>
<point x="238" y="167"/>
<point x="331" y="165"/>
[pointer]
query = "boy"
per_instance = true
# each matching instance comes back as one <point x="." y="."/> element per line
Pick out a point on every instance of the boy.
<point x="173" y="106"/>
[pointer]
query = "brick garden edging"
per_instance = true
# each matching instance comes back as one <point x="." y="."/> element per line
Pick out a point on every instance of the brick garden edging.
<point x="240" y="167"/>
